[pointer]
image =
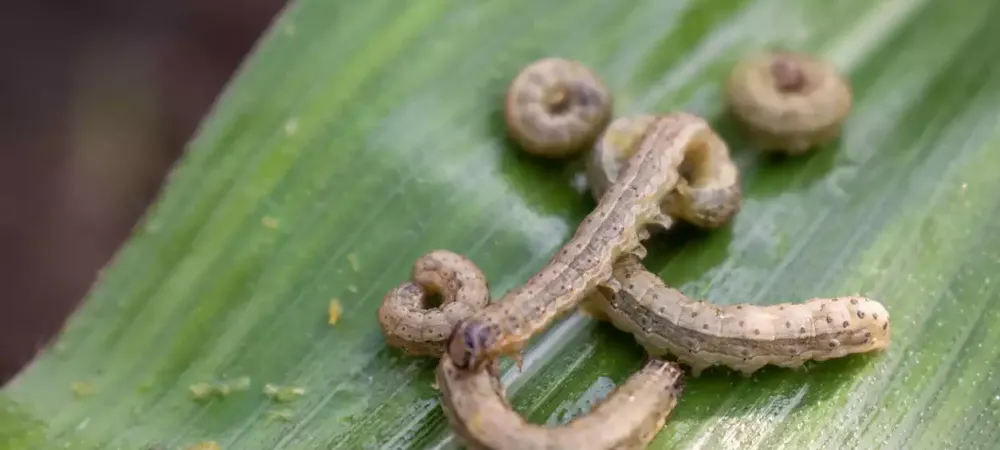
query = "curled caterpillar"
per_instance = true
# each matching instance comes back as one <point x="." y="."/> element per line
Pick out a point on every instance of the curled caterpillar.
<point x="615" y="227"/>
<point x="410" y="323"/>
<point x="707" y="195"/>
<point x="628" y="418"/>
<point x="556" y="107"/>
<point x="788" y="102"/>
<point x="475" y="402"/>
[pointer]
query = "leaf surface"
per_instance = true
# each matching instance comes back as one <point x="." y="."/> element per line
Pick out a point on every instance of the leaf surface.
<point x="361" y="135"/>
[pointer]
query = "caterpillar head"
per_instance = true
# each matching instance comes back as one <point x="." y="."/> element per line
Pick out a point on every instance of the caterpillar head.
<point x="469" y="343"/>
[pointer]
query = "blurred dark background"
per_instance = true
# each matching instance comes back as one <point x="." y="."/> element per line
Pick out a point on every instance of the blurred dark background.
<point x="98" y="100"/>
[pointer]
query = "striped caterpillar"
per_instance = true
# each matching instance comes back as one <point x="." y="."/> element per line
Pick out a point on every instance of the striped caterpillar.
<point x="628" y="418"/>
<point x="404" y="316"/>
<point x="743" y="337"/>
<point x="615" y="227"/>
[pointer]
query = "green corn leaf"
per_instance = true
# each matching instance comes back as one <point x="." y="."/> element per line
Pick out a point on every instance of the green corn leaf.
<point x="360" y="135"/>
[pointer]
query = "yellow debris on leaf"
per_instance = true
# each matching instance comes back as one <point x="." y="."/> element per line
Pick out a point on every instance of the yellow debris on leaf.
<point x="355" y="263"/>
<point x="204" y="390"/>
<point x="284" y="415"/>
<point x="207" y="445"/>
<point x="82" y="388"/>
<point x="283" y="393"/>
<point x="335" y="310"/>
<point x="269" y="222"/>
<point x="227" y="387"/>
<point x="201" y="391"/>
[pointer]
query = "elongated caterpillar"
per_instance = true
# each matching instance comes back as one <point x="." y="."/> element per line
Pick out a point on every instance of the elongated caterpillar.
<point x="788" y="102"/>
<point x="556" y="107"/>
<point x="743" y="337"/>
<point x="614" y="228"/>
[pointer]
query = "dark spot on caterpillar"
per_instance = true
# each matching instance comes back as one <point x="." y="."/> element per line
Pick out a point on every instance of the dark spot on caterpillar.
<point x="875" y="316"/>
<point x="781" y="308"/>
<point x="885" y="325"/>
<point x="861" y="314"/>
<point x="788" y="324"/>
<point x="704" y="327"/>
<point x="833" y="344"/>
<point x="854" y="301"/>
<point x="739" y="306"/>
<point x="631" y="286"/>
<point x="829" y="319"/>
<point x="756" y="331"/>
<point x="802" y="329"/>
<point x="847" y="324"/>
<point x="742" y="323"/>
<point x="663" y="309"/>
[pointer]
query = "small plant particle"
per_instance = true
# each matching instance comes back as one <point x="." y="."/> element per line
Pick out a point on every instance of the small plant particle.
<point x="202" y="391"/>
<point x="283" y="393"/>
<point x="82" y="388"/>
<point x="269" y="222"/>
<point x="352" y="259"/>
<point x="335" y="310"/>
<point x="283" y="415"/>
<point x="240" y="384"/>
<point x="207" y="445"/>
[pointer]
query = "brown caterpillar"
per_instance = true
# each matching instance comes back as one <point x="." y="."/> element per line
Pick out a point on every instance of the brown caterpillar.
<point x="410" y="323"/>
<point x="788" y="102"/>
<point x="628" y="418"/>
<point x="615" y="227"/>
<point x="743" y="337"/>
<point x="701" y="335"/>
<point x="707" y="195"/>
<point x="475" y="402"/>
<point x="555" y="107"/>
